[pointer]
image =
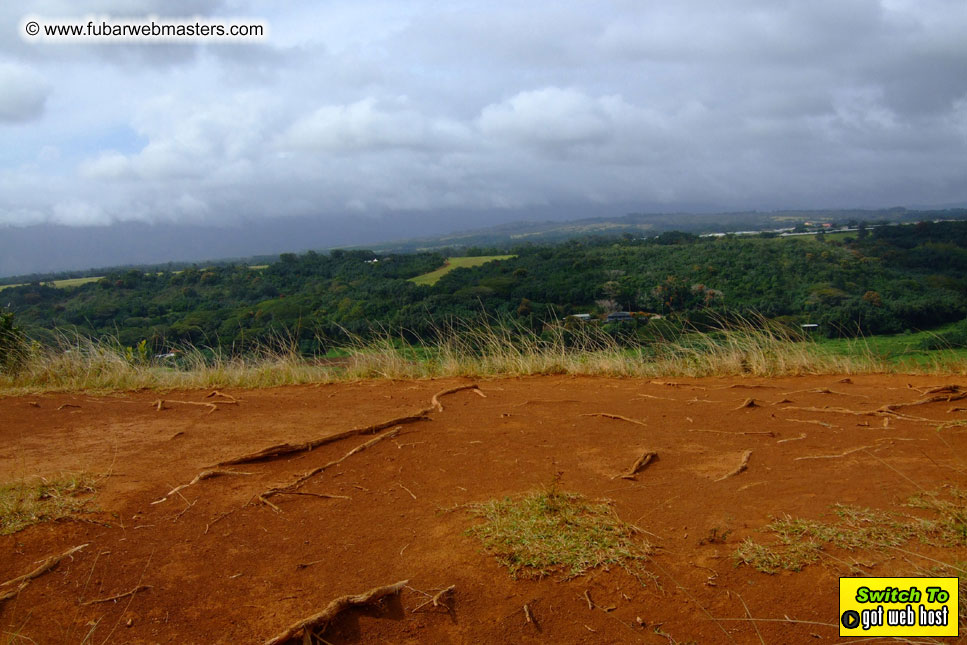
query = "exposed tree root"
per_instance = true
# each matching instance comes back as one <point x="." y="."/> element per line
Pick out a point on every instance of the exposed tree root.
<point x="842" y="454"/>
<point x="640" y="464"/>
<point x="939" y="389"/>
<point x="652" y="396"/>
<point x="283" y="449"/>
<point x="435" y="401"/>
<point x="44" y="567"/>
<point x="802" y="436"/>
<point x="945" y="396"/>
<point x="320" y="495"/>
<point x="205" y="474"/>
<point x="880" y="412"/>
<point x="119" y="596"/>
<point x="333" y="609"/>
<point x="289" y="488"/>
<point x="743" y="464"/>
<point x="614" y="416"/>
<point x="545" y="402"/>
<point x="823" y="390"/>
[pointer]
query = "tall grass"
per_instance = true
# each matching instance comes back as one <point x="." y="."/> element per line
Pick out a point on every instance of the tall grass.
<point x="752" y="347"/>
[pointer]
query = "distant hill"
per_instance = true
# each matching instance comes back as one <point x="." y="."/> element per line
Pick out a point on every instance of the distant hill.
<point x="175" y="247"/>
<point x="650" y="224"/>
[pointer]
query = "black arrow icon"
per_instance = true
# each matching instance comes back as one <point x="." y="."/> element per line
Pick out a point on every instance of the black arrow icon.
<point x="850" y="619"/>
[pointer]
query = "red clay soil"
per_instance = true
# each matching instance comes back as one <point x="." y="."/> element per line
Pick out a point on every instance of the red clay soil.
<point x="224" y="568"/>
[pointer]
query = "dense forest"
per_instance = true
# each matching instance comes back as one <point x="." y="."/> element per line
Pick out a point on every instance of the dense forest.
<point x="880" y="280"/>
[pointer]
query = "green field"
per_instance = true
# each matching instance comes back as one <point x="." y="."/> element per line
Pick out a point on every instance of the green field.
<point x="432" y="277"/>
<point x="898" y="349"/>
<point x="60" y="284"/>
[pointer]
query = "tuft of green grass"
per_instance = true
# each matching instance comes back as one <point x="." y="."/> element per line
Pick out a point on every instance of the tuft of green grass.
<point x="23" y="504"/>
<point x="801" y="541"/>
<point x="550" y="531"/>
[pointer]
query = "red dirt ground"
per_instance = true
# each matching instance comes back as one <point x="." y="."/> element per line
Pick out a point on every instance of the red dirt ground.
<point x="247" y="576"/>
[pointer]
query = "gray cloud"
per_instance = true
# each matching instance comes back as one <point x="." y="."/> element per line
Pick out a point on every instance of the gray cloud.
<point x="380" y="107"/>
<point x="22" y="93"/>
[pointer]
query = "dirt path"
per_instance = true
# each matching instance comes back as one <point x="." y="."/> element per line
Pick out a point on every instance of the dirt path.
<point x="222" y="567"/>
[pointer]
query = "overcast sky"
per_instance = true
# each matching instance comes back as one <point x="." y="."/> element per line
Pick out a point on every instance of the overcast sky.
<point x="374" y="107"/>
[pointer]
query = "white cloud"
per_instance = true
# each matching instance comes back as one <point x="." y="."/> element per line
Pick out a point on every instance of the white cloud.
<point x="369" y="125"/>
<point x="548" y="117"/>
<point x="108" y="165"/>
<point x="79" y="213"/>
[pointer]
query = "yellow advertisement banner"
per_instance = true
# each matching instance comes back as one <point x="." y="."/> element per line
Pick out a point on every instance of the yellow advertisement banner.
<point x="898" y="607"/>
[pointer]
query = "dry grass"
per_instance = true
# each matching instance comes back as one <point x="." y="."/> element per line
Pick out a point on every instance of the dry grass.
<point x="801" y="541"/>
<point x="481" y="349"/>
<point x="551" y="531"/>
<point x="25" y="503"/>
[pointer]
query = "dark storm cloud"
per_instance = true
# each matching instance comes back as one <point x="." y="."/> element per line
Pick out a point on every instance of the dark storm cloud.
<point x="376" y="107"/>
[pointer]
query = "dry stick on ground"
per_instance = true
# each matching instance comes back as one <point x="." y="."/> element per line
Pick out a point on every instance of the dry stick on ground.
<point x="740" y="468"/>
<point x="205" y="474"/>
<point x="802" y="436"/>
<point x="527" y="613"/>
<point x="287" y="488"/>
<point x="842" y="454"/>
<point x="437" y="599"/>
<point x="812" y="421"/>
<point x="44" y="567"/>
<point x="768" y="433"/>
<point x="746" y="386"/>
<point x="749" y="614"/>
<point x="640" y="464"/>
<point x="283" y="449"/>
<point x="231" y="399"/>
<point x="160" y="404"/>
<point x="333" y="609"/>
<point x="618" y="417"/>
<point x="119" y="596"/>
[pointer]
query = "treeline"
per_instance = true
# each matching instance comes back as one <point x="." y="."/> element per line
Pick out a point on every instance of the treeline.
<point x="881" y="280"/>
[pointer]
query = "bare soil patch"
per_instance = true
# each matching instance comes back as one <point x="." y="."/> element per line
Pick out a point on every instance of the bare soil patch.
<point x="305" y="528"/>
